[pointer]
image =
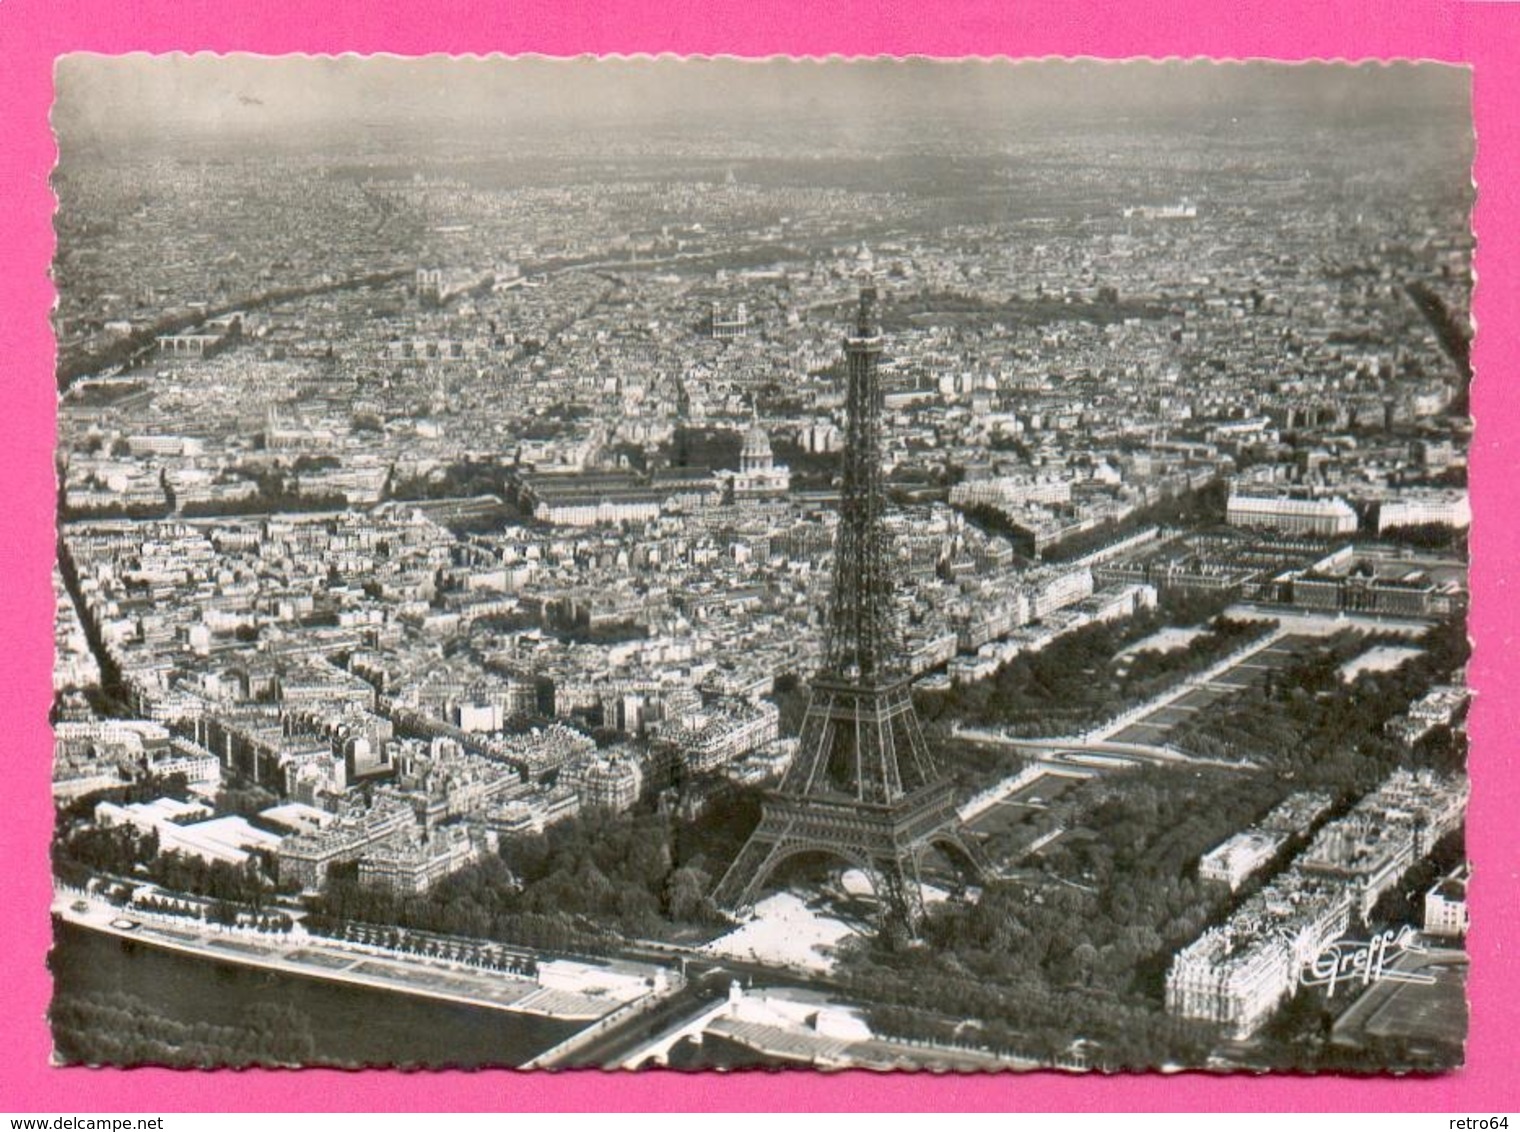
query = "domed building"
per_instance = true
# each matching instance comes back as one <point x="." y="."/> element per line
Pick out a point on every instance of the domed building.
<point x="759" y="476"/>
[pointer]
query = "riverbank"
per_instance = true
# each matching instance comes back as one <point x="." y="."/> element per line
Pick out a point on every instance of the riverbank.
<point x="563" y="990"/>
<point x="176" y="999"/>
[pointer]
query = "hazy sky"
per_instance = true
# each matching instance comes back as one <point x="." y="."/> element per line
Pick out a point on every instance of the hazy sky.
<point x="104" y="99"/>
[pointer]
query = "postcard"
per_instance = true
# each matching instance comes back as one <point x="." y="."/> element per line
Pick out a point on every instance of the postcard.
<point x="714" y="563"/>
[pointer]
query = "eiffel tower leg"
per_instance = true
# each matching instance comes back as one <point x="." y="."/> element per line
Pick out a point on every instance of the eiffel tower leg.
<point x="741" y="883"/>
<point x="973" y="860"/>
<point x="901" y="897"/>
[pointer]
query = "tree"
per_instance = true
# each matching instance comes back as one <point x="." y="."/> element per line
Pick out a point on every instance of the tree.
<point x="686" y="893"/>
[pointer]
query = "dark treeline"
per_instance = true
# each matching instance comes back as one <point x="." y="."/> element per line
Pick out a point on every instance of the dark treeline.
<point x="702" y="448"/>
<point x="427" y="944"/>
<point x="116" y="1028"/>
<point x="78" y="854"/>
<point x="82" y="809"/>
<point x="578" y="886"/>
<point x="1429" y="536"/>
<point x="1203" y="507"/>
<point x="1075" y="681"/>
<point x="1455" y="335"/>
<point x="461" y="480"/>
<point x="247" y="884"/>
<point x="972" y="766"/>
<point x="1309" y="722"/>
<point x="278" y="491"/>
<point x="912" y="998"/>
<point x="564" y="628"/>
<point x="82" y="852"/>
<point x="990" y="520"/>
<point x="137" y="511"/>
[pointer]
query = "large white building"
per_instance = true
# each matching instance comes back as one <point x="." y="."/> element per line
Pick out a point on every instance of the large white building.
<point x="1389" y="830"/>
<point x="305" y="859"/>
<point x="1237" y="974"/>
<point x="189" y="759"/>
<point x="1363" y="851"/>
<point x="534" y="813"/>
<point x="1012" y="491"/>
<point x="1446" y="509"/>
<point x="1235" y="860"/>
<point x="1446" y="905"/>
<point x="405" y="865"/>
<point x="759" y="476"/>
<point x="609" y="780"/>
<point x="1439" y="707"/>
<point x="723" y="732"/>
<point x="1057" y="590"/>
<point x="605" y="512"/>
<point x="228" y="839"/>
<point x="1328" y="516"/>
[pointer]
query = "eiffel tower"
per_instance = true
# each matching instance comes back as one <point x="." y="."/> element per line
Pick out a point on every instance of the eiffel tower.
<point x="863" y="787"/>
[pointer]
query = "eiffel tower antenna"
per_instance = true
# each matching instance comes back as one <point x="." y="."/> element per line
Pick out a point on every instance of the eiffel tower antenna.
<point x="864" y="787"/>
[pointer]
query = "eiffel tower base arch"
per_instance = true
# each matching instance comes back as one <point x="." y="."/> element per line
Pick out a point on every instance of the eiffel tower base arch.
<point x="886" y="842"/>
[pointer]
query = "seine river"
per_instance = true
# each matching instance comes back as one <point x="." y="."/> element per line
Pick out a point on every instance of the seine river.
<point x="352" y="1025"/>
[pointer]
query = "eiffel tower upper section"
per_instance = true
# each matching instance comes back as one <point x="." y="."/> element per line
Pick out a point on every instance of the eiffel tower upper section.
<point x="861" y="646"/>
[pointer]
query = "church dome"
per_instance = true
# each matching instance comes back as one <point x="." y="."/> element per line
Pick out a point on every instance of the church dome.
<point x="757" y="444"/>
<point x="756" y="456"/>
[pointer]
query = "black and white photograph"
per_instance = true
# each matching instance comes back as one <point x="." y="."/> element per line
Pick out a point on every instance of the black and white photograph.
<point x="704" y="563"/>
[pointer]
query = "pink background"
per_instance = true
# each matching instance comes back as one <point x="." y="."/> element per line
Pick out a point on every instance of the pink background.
<point x="33" y="32"/>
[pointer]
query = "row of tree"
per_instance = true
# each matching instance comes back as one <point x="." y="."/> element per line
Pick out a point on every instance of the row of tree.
<point x="116" y="1028"/>
<point x="1076" y="682"/>
<point x="1191" y="509"/>
<point x="579" y="886"/>
<point x="82" y="852"/>
<point x="1105" y="909"/>
<point x="1327" y="731"/>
